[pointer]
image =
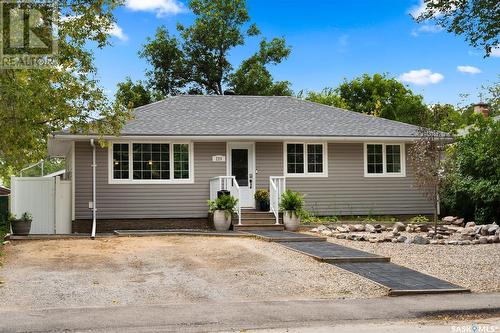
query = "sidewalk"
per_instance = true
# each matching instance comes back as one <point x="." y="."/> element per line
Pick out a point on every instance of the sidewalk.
<point x="249" y="315"/>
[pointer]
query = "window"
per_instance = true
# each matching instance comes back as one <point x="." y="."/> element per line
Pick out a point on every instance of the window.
<point x="305" y="159"/>
<point x="150" y="162"/>
<point x="120" y="161"/>
<point x="386" y="160"/>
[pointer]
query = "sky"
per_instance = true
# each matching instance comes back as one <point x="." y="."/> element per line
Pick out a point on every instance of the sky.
<point x="331" y="40"/>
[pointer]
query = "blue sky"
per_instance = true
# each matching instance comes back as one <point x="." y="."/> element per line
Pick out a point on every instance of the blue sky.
<point x="331" y="40"/>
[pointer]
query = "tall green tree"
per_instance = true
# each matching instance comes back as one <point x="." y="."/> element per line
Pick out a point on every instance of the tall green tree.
<point x="197" y="61"/>
<point x="477" y="20"/>
<point x="377" y="95"/>
<point x="36" y="102"/>
<point x="253" y="78"/>
<point x="132" y="95"/>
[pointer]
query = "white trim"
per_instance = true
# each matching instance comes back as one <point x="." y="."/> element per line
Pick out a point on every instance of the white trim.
<point x="384" y="173"/>
<point x="254" y="173"/>
<point x="216" y="138"/>
<point x="130" y="179"/>
<point x="306" y="173"/>
<point x="73" y="176"/>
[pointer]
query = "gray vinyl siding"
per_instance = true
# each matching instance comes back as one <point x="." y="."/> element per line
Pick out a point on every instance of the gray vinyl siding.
<point x="345" y="191"/>
<point x="122" y="201"/>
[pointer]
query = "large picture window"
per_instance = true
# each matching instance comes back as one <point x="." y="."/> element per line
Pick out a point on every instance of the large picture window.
<point x="305" y="159"/>
<point x="139" y="162"/>
<point x="384" y="160"/>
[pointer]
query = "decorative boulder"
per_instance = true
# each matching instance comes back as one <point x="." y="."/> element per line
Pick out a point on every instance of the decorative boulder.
<point x="342" y="229"/>
<point x="449" y="219"/>
<point x="493" y="229"/>
<point x="326" y="232"/>
<point x="483" y="240"/>
<point x="458" y="222"/>
<point x="470" y="224"/>
<point x="399" y="226"/>
<point x="401" y="239"/>
<point x="370" y="228"/>
<point x="420" y="240"/>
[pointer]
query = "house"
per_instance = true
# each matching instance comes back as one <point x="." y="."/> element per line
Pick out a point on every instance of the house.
<point x="177" y="153"/>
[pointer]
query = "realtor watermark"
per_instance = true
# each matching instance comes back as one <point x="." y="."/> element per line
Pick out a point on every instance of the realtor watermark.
<point x="28" y="34"/>
<point x="474" y="328"/>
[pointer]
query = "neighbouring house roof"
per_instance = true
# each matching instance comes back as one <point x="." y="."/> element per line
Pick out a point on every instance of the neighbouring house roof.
<point x="4" y="191"/>
<point x="232" y="115"/>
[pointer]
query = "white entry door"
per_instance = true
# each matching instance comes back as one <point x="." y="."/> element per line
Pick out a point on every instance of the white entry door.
<point x="241" y="165"/>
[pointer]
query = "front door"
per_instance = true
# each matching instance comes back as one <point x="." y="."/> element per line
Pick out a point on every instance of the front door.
<point x="241" y="165"/>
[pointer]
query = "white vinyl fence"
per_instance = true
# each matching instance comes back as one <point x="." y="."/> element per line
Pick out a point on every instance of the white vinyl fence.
<point x="48" y="199"/>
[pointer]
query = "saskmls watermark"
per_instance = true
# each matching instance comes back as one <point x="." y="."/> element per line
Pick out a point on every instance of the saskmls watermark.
<point x="28" y="34"/>
<point x="475" y="328"/>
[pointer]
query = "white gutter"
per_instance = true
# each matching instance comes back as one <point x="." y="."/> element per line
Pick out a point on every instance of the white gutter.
<point x="94" y="209"/>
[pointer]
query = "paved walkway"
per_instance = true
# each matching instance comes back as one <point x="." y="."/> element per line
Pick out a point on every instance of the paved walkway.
<point x="398" y="279"/>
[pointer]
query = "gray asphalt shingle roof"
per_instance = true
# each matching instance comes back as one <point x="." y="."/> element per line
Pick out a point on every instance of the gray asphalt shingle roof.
<point x="256" y="116"/>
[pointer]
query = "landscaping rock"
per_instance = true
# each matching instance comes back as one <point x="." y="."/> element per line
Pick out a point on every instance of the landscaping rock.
<point x="458" y="222"/>
<point x="492" y="239"/>
<point x="401" y="239"/>
<point x="475" y="241"/>
<point x="493" y="228"/>
<point x="327" y="233"/>
<point x="342" y="229"/>
<point x="399" y="226"/>
<point x="420" y="240"/>
<point x="341" y="236"/>
<point x="370" y="228"/>
<point x="483" y="240"/>
<point x="394" y="240"/>
<point x="470" y="224"/>
<point x="423" y="227"/>
<point x="452" y="242"/>
<point x="484" y="230"/>
<point x="449" y="219"/>
<point x="6" y="242"/>
<point x="373" y="240"/>
<point x="359" y="227"/>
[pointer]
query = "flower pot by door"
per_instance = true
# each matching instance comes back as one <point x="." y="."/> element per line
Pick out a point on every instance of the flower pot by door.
<point x="222" y="221"/>
<point x="291" y="220"/>
<point x="21" y="227"/>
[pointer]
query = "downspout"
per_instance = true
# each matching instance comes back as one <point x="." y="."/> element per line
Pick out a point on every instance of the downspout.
<point x="94" y="209"/>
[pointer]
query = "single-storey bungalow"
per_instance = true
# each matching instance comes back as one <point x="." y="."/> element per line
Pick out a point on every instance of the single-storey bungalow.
<point x="177" y="153"/>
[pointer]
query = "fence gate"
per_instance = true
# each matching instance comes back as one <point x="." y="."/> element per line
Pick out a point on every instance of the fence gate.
<point x="48" y="199"/>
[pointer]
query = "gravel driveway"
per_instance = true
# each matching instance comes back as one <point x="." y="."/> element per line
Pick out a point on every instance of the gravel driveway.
<point x="167" y="269"/>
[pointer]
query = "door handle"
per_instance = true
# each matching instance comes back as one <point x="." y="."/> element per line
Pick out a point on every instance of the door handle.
<point x="250" y="180"/>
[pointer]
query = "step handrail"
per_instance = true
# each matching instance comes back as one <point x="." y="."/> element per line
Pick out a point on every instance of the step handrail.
<point x="277" y="185"/>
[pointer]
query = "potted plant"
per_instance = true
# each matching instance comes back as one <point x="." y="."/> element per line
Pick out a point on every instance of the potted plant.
<point x="222" y="209"/>
<point x="21" y="226"/>
<point x="262" y="198"/>
<point x="291" y="204"/>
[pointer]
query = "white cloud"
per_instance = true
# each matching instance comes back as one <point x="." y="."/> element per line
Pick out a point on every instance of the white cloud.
<point x="418" y="10"/>
<point x="117" y="32"/>
<point x="160" y="7"/>
<point x="426" y="28"/>
<point x="421" y="77"/>
<point x="468" y="69"/>
<point x="495" y="52"/>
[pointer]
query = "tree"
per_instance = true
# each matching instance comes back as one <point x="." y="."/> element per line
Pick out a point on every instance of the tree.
<point x="477" y="20"/>
<point x="376" y="95"/>
<point x="197" y="62"/>
<point x="471" y="187"/>
<point x="253" y="78"/>
<point x="445" y="118"/>
<point x="426" y="161"/>
<point x="132" y="95"/>
<point x="327" y="96"/>
<point x="36" y="102"/>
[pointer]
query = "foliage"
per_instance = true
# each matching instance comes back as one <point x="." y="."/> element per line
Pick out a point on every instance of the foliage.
<point x="253" y="78"/>
<point x="291" y="201"/>
<point x="377" y="95"/>
<point x="369" y="219"/>
<point x="225" y="202"/>
<point x="471" y="188"/>
<point x="477" y="20"/>
<point x="198" y="61"/>
<point x="27" y="217"/>
<point x="261" y="195"/>
<point x="327" y="96"/>
<point x="132" y="95"/>
<point x="37" y="102"/>
<point x="307" y="218"/>
<point x="426" y="162"/>
<point x="419" y="219"/>
<point x="444" y="117"/>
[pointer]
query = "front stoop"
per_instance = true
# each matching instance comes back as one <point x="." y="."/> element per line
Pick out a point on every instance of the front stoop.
<point x="254" y="220"/>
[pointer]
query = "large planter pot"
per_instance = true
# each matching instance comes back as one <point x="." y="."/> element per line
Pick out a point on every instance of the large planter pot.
<point x="222" y="221"/>
<point x="264" y="206"/>
<point x="291" y="220"/>
<point x="21" y="227"/>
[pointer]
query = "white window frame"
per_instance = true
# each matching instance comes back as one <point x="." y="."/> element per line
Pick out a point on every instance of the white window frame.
<point x="402" y="149"/>
<point x="306" y="172"/>
<point x="130" y="180"/>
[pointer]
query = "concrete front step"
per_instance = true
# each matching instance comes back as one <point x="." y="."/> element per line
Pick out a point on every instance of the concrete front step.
<point x="260" y="220"/>
<point x="248" y="227"/>
<point x="256" y="214"/>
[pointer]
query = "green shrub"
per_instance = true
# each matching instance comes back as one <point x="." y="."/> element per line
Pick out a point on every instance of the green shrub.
<point x="471" y="186"/>
<point x="419" y="219"/>
<point x="261" y="195"/>
<point x="225" y="202"/>
<point x="291" y="201"/>
<point x="369" y="219"/>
